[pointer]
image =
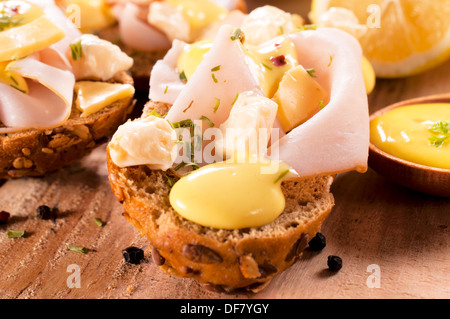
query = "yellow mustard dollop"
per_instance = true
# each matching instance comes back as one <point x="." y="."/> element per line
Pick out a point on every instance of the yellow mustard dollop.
<point x="231" y="195"/>
<point x="405" y="132"/>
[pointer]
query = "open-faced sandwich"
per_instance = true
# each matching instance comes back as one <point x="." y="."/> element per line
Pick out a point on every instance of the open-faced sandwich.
<point x="145" y="29"/>
<point x="228" y="171"/>
<point x="61" y="93"/>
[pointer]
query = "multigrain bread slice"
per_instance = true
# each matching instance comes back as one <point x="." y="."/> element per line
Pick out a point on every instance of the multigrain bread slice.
<point x="35" y="152"/>
<point x="224" y="260"/>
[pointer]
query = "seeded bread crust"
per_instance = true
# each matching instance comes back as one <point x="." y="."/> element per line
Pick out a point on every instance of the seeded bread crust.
<point x="36" y="152"/>
<point x="223" y="260"/>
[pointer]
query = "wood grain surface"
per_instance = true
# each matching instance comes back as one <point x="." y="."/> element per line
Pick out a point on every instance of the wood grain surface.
<point x="402" y="234"/>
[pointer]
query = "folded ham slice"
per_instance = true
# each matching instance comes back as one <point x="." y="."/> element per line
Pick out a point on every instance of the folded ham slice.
<point x="336" y="139"/>
<point x="48" y="102"/>
<point x="165" y="83"/>
<point x="138" y="34"/>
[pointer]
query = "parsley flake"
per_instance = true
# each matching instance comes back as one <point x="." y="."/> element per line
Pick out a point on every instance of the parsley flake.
<point x="440" y="132"/>
<point x="238" y="34"/>
<point x="214" y="78"/>
<point x="183" y="76"/>
<point x="76" y="50"/>
<point x="311" y="72"/>
<point x="216" y="107"/>
<point x="77" y="249"/>
<point x="207" y="121"/>
<point x="15" y="233"/>
<point x="280" y="177"/>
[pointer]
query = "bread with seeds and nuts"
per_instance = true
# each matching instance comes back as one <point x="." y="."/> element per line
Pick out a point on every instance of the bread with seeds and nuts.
<point x="223" y="260"/>
<point x="36" y="152"/>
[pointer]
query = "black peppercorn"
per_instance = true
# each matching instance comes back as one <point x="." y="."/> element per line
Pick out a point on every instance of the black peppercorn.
<point x="133" y="255"/>
<point x="44" y="212"/>
<point x="318" y="242"/>
<point x="4" y="216"/>
<point x="334" y="263"/>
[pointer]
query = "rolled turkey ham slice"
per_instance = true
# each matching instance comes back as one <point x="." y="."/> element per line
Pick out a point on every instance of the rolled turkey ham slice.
<point x="48" y="102"/>
<point x="138" y="34"/>
<point x="336" y="139"/>
<point x="165" y="83"/>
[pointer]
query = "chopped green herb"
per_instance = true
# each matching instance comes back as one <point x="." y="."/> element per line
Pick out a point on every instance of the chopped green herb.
<point x="155" y="113"/>
<point x="184" y="164"/>
<point x="12" y="68"/>
<point x="99" y="222"/>
<point x="14" y="80"/>
<point x="207" y="120"/>
<point x="331" y="60"/>
<point x="13" y="86"/>
<point x="440" y="132"/>
<point x="7" y="21"/>
<point x="15" y="233"/>
<point x="238" y="34"/>
<point x="183" y="76"/>
<point x="188" y="123"/>
<point x="321" y="105"/>
<point x="311" y="72"/>
<point x="214" y="78"/>
<point x="77" y="249"/>
<point x="216" y="68"/>
<point x="235" y="99"/>
<point x="216" y="107"/>
<point x="280" y="177"/>
<point x="266" y="66"/>
<point x="76" y="50"/>
<point x="165" y="90"/>
<point x="170" y="181"/>
<point x="308" y="27"/>
<point x="281" y="30"/>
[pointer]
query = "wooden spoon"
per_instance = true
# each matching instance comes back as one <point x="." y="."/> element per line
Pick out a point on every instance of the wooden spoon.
<point x="426" y="179"/>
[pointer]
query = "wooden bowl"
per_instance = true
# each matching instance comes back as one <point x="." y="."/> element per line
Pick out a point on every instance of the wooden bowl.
<point x="425" y="179"/>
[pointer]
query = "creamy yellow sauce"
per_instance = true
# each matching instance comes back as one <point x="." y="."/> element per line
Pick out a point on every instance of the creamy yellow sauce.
<point x="231" y="195"/>
<point x="405" y="133"/>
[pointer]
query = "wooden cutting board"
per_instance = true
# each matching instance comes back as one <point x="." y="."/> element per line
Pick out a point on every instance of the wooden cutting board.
<point x="394" y="242"/>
